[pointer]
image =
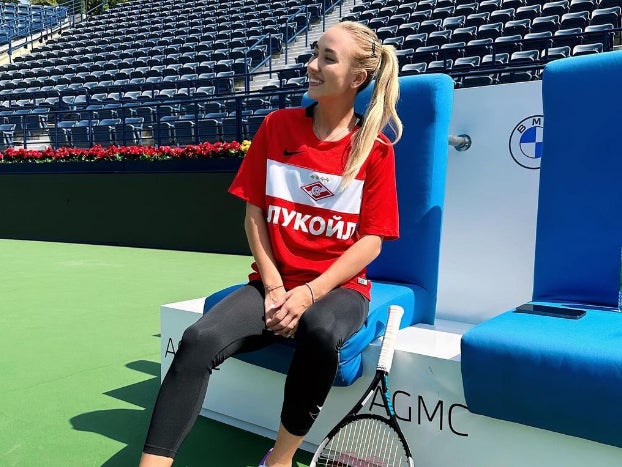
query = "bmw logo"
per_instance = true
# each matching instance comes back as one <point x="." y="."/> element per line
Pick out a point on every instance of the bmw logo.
<point x="526" y="142"/>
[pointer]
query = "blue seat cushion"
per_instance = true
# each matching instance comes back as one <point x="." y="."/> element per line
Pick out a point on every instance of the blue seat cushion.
<point x="558" y="374"/>
<point x="277" y="357"/>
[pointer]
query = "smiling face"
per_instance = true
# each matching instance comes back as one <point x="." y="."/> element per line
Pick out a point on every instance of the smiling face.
<point x="330" y="69"/>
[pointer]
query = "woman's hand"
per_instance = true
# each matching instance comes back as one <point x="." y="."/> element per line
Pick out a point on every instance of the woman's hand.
<point x="284" y="317"/>
<point x="273" y="301"/>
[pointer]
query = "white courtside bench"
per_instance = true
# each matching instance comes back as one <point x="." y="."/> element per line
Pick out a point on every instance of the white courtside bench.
<point x="426" y="384"/>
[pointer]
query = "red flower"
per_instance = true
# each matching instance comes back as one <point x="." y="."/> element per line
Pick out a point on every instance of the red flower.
<point x="98" y="153"/>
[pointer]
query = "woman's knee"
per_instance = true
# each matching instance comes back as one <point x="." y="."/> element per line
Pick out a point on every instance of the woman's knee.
<point x="321" y="337"/>
<point x="196" y="338"/>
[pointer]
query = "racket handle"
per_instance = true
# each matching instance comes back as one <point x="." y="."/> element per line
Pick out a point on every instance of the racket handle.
<point x="390" y="337"/>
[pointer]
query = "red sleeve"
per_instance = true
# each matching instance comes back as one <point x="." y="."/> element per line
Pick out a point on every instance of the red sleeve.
<point x="249" y="183"/>
<point x="379" y="211"/>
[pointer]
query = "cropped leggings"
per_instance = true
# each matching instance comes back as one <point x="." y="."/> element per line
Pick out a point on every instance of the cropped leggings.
<point x="237" y="325"/>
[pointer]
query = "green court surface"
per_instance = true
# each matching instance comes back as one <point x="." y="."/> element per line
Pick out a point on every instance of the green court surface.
<point x="79" y="354"/>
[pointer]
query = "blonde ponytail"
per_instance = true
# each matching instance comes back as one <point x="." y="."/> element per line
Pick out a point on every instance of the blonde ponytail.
<point x="380" y="63"/>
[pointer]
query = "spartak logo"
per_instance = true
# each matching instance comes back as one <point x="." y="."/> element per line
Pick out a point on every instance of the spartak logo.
<point x="317" y="191"/>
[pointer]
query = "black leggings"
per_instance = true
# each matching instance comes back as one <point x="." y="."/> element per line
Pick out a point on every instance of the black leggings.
<point x="236" y="325"/>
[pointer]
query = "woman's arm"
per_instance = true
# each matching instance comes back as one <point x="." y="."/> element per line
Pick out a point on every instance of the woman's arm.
<point x="350" y="263"/>
<point x="259" y="243"/>
<point x="297" y="300"/>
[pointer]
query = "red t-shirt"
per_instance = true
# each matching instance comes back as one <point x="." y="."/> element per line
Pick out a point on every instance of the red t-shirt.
<point x="295" y="178"/>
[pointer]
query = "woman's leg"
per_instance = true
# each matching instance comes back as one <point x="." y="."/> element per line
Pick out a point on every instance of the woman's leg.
<point x="236" y="324"/>
<point x="322" y="330"/>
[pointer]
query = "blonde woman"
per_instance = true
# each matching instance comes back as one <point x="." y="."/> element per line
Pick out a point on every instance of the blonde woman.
<point x="319" y="187"/>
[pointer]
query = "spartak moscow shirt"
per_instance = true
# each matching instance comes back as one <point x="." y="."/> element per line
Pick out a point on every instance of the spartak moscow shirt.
<point x="295" y="178"/>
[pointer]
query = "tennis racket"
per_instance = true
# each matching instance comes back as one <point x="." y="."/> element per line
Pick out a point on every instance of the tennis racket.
<point x="370" y="440"/>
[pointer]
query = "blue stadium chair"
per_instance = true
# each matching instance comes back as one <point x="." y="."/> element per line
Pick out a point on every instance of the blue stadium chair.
<point x="502" y="15"/>
<point x="600" y="33"/>
<point x="454" y="22"/>
<point x="7" y="133"/>
<point x="587" y="49"/>
<point x="443" y="12"/>
<point x="36" y="120"/>
<point x="407" y="29"/>
<point x="396" y="42"/>
<point x="556" y="53"/>
<point x="479" y="47"/>
<point x="258" y="54"/>
<point x="545" y="23"/>
<point x="424" y="54"/>
<point x="163" y="133"/>
<point x="466" y="64"/>
<point x="253" y="124"/>
<point x="507" y="44"/>
<point x="538" y="40"/>
<point x="609" y="3"/>
<point x="81" y="136"/>
<point x="451" y="51"/>
<point x="209" y="130"/>
<point x="431" y="25"/>
<point x="104" y="131"/>
<point x="185" y="132"/>
<point x="517" y="27"/>
<point x="17" y="118"/>
<point x="255" y="104"/>
<point x="477" y="19"/>
<point x="414" y="41"/>
<point x="583" y="5"/>
<point x="515" y="4"/>
<point x="466" y="9"/>
<point x="440" y="66"/>
<point x="386" y="32"/>
<point x="413" y="69"/>
<point x="557" y="8"/>
<point x="609" y="15"/>
<point x="464" y="34"/>
<point x="489" y="6"/>
<point x="524" y="57"/>
<point x="147" y="113"/>
<point x="223" y="82"/>
<point x="567" y="37"/>
<point x="579" y="19"/>
<point x="127" y="134"/>
<point x="490" y="30"/>
<point x="439" y="37"/>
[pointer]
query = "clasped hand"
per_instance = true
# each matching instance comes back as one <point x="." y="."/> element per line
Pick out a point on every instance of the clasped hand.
<point x="284" y="309"/>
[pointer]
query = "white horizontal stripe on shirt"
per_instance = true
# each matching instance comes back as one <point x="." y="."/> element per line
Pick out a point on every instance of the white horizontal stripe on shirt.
<point x="286" y="182"/>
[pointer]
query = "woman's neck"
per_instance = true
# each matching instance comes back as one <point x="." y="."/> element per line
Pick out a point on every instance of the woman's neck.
<point x="334" y="123"/>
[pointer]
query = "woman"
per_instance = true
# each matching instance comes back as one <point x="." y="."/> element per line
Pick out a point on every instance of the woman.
<point x="319" y="186"/>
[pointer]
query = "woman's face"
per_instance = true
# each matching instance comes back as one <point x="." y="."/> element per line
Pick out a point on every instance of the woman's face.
<point x="330" y="68"/>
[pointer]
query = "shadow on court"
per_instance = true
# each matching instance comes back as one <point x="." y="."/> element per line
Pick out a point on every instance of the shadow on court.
<point x="209" y="444"/>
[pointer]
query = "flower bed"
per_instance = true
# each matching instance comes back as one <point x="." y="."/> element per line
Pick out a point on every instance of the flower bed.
<point x="219" y="150"/>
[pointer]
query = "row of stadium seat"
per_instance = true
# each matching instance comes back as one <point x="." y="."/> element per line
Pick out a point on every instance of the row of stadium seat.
<point x="170" y="129"/>
<point x="21" y="20"/>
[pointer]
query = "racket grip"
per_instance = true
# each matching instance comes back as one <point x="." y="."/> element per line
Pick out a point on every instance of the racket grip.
<point x="390" y="337"/>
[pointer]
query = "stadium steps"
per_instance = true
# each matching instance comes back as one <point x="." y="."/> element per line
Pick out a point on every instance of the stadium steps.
<point x="298" y="45"/>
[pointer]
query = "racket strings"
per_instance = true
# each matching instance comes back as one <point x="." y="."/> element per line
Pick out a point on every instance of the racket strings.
<point x="364" y="442"/>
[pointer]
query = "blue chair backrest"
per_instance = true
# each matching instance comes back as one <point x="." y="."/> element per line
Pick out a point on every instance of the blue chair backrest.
<point x="579" y="225"/>
<point x="425" y="109"/>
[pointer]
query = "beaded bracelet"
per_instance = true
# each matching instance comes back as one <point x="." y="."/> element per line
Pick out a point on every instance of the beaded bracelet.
<point x="311" y="291"/>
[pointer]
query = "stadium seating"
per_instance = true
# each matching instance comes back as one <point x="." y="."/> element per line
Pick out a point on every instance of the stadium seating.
<point x="191" y="54"/>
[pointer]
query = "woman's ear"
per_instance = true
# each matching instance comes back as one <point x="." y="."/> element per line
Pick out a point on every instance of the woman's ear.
<point x="359" y="78"/>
